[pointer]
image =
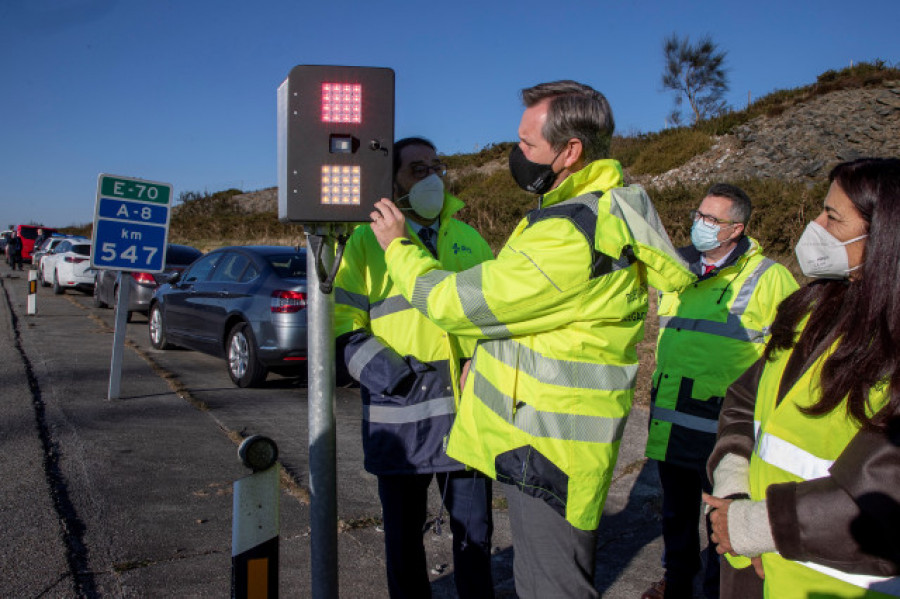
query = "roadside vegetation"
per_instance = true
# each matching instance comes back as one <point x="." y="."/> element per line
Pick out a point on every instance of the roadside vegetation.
<point x="494" y="204"/>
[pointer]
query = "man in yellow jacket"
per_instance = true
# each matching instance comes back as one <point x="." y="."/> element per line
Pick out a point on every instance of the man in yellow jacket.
<point x="408" y="370"/>
<point x="558" y="315"/>
<point x="709" y="334"/>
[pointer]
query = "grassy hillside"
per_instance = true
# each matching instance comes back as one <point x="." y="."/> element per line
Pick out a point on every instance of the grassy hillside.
<point x="495" y="203"/>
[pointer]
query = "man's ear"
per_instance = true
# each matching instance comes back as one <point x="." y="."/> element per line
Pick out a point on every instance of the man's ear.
<point x="573" y="153"/>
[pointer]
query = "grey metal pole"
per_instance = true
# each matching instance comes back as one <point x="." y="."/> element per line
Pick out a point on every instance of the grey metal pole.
<point x="115" y="365"/>
<point x="322" y="431"/>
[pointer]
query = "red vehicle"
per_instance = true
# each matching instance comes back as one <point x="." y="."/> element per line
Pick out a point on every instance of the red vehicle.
<point x="28" y="233"/>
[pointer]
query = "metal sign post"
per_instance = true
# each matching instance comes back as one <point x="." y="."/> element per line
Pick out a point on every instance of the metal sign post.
<point x="322" y="428"/>
<point x="335" y="158"/>
<point x="131" y="230"/>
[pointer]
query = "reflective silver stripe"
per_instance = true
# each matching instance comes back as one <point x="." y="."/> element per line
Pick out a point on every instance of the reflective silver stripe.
<point x="348" y="298"/>
<point x="731" y="328"/>
<point x="588" y="200"/>
<point x="424" y="285"/>
<point x="695" y="423"/>
<point x="888" y="586"/>
<point x="432" y="408"/>
<point x="740" y="303"/>
<point x="563" y="373"/>
<point x="474" y="305"/>
<point x="364" y="354"/>
<point x="790" y="458"/>
<point x="388" y="306"/>
<point x="553" y="425"/>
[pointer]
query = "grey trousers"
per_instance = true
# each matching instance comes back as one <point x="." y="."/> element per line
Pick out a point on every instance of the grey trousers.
<point x="551" y="558"/>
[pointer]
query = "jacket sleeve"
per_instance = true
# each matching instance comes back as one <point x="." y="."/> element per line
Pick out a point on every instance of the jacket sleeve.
<point x="737" y="433"/>
<point x="530" y="287"/>
<point x="850" y="519"/>
<point x="359" y="354"/>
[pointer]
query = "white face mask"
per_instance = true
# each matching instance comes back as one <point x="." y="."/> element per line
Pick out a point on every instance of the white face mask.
<point x="821" y="255"/>
<point x="425" y="198"/>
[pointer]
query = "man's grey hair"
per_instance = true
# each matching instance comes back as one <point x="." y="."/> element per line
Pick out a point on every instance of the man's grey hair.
<point x="575" y="111"/>
<point x="741" y="206"/>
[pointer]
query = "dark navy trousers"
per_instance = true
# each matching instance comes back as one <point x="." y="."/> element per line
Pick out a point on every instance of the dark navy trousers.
<point x="681" y="508"/>
<point x="404" y="505"/>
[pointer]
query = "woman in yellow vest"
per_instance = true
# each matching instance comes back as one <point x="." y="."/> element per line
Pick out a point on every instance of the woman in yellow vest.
<point x="806" y="468"/>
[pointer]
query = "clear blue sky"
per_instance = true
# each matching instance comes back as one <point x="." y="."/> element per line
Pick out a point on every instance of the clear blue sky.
<point x="183" y="91"/>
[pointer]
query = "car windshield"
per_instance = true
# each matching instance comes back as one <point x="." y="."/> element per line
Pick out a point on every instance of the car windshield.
<point x="82" y="249"/>
<point x="288" y="266"/>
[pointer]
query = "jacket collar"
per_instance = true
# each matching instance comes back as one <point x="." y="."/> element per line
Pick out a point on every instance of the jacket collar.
<point x="599" y="175"/>
<point x="746" y="246"/>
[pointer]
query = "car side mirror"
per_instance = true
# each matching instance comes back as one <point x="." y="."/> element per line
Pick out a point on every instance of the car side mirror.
<point x="170" y="279"/>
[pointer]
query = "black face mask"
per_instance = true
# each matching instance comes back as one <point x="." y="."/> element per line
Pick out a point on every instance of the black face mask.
<point x="531" y="176"/>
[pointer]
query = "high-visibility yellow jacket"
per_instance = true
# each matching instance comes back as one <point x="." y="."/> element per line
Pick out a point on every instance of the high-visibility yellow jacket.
<point x="558" y="313"/>
<point x="709" y="334"/>
<point x="792" y="447"/>
<point x="408" y="368"/>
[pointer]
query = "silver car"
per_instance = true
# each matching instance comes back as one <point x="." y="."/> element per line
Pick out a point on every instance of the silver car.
<point x="142" y="284"/>
<point x="246" y="304"/>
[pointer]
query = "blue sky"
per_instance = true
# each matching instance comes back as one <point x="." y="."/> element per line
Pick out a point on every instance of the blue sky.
<point x="183" y="91"/>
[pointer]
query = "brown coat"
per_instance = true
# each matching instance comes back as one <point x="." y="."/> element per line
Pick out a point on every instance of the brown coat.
<point x="849" y="520"/>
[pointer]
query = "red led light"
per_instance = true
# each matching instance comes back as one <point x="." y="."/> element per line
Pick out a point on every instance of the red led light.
<point x="341" y="103"/>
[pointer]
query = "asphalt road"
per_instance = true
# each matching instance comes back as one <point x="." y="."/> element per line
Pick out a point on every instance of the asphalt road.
<point x="133" y="497"/>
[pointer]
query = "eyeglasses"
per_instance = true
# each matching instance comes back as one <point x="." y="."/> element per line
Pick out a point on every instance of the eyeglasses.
<point x="710" y="220"/>
<point x="420" y="171"/>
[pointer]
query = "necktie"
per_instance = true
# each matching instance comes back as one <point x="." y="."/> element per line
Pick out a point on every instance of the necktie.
<point x="427" y="235"/>
<point x="707" y="268"/>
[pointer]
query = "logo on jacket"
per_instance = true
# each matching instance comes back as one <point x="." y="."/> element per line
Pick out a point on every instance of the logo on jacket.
<point x="457" y="248"/>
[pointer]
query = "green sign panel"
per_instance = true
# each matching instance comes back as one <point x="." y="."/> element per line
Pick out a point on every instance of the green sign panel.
<point x="134" y="189"/>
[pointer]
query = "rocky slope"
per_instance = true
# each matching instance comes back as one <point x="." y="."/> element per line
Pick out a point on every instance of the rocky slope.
<point x="803" y="142"/>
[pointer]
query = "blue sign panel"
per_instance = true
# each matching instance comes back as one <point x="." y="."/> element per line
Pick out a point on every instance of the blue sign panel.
<point x="131" y="224"/>
<point x="129" y="246"/>
<point x="140" y="212"/>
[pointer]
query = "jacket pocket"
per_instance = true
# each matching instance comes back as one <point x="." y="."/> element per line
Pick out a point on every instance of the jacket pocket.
<point x="535" y="475"/>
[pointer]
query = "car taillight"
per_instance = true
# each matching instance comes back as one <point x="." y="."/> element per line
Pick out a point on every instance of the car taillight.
<point x="74" y="260"/>
<point x="286" y="302"/>
<point x="144" y="277"/>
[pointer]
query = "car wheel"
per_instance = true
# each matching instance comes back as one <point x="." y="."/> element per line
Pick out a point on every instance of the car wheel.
<point x="98" y="303"/>
<point x="57" y="288"/>
<point x="157" y="329"/>
<point x="243" y="366"/>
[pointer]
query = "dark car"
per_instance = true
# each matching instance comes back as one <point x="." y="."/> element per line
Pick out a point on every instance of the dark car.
<point x="143" y="284"/>
<point x="246" y="304"/>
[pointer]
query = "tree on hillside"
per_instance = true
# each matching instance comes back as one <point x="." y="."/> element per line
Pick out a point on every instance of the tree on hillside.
<point x="695" y="72"/>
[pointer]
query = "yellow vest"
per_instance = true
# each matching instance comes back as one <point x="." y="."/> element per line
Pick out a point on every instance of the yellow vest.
<point x="792" y="447"/>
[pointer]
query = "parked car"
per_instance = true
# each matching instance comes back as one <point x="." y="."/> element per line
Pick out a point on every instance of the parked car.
<point x="4" y="236"/>
<point x="244" y="304"/>
<point x="47" y="245"/>
<point x="68" y="266"/>
<point x="143" y="284"/>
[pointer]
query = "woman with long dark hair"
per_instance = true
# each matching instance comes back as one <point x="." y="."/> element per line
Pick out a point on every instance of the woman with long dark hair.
<point x="806" y="468"/>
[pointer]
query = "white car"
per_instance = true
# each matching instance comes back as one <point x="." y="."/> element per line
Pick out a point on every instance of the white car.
<point x="68" y="266"/>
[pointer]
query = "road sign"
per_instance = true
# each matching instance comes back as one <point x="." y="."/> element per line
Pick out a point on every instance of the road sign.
<point x="131" y="224"/>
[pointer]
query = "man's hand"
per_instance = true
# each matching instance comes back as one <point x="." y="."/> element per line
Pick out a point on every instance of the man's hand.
<point x="464" y="375"/>
<point x="388" y="223"/>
